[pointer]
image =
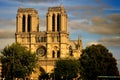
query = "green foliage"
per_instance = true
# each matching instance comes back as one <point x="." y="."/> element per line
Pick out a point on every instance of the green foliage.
<point x="66" y="69"/>
<point x="95" y="61"/>
<point x="17" y="61"/>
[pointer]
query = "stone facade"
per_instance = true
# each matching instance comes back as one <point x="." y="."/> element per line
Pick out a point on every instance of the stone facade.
<point x="49" y="45"/>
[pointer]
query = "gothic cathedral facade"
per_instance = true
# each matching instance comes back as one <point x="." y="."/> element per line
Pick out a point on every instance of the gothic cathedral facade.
<point x="49" y="45"/>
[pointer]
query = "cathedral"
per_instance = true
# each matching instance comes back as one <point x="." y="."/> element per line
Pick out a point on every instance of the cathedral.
<point x="49" y="45"/>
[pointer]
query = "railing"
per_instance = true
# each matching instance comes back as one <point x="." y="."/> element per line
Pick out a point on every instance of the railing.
<point x="49" y="62"/>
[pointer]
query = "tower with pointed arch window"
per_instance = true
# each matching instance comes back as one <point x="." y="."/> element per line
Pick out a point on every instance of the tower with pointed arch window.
<point x="57" y="31"/>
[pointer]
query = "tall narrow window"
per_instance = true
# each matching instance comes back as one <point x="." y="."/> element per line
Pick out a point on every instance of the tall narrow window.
<point x="23" y="23"/>
<point x="58" y="54"/>
<point x="29" y="23"/>
<point x="53" y="22"/>
<point x="58" y="22"/>
<point x="53" y="54"/>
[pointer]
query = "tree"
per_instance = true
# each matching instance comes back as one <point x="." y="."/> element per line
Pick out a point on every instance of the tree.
<point x="66" y="69"/>
<point x="95" y="61"/>
<point x="17" y="62"/>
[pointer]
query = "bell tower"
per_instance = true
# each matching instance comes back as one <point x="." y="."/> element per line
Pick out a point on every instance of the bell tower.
<point x="27" y="20"/>
<point x="27" y="23"/>
<point x="57" y="35"/>
<point x="56" y="19"/>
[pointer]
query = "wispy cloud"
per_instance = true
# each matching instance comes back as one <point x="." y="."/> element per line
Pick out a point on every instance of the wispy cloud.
<point x="109" y="42"/>
<point x="7" y="34"/>
<point x="7" y="28"/>
<point x="113" y="41"/>
<point x="99" y="25"/>
<point x="8" y="10"/>
<point x="115" y="18"/>
<point x="7" y="24"/>
<point x="87" y="7"/>
<point x="36" y="1"/>
<point x="86" y="11"/>
<point x="5" y="42"/>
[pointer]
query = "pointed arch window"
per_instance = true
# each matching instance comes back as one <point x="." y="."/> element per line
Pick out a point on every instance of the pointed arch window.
<point x="58" y="54"/>
<point x="29" y="23"/>
<point x="53" y="54"/>
<point x="58" y="22"/>
<point x="53" y="22"/>
<point x="23" y="23"/>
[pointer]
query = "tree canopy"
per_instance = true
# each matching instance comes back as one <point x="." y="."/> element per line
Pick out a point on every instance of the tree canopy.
<point x="95" y="61"/>
<point x="66" y="69"/>
<point x="17" y="62"/>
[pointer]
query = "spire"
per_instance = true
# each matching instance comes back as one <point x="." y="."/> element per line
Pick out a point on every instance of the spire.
<point x="60" y="2"/>
<point x="79" y="42"/>
<point x="21" y="4"/>
<point x="20" y="7"/>
<point x="61" y="5"/>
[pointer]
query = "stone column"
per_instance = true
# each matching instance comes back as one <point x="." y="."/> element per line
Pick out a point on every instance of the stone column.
<point x="49" y="22"/>
<point x="62" y="22"/>
<point x="32" y="22"/>
<point x="65" y="23"/>
<point x="19" y="23"/>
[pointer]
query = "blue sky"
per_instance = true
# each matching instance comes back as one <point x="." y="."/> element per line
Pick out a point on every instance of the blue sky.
<point x="96" y="21"/>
